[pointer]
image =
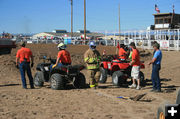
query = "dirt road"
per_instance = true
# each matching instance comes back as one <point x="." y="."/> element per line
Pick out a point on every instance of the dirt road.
<point x="44" y="103"/>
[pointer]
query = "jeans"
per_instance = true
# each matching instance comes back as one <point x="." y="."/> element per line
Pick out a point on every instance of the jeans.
<point x="155" y="77"/>
<point x="25" y="67"/>
<point x="59" y="65"/>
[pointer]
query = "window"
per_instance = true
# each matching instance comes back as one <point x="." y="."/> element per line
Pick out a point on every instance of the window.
<point x="167" y="20"/>
<point x="160" y="21"/>
<point x="156" y="21"/>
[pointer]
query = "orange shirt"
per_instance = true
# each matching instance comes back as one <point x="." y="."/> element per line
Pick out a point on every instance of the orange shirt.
<point x="136" y="57"/>
<point x="122" y="53"/>
<point x="24" y="53"/>
<point x="64" y="56"/>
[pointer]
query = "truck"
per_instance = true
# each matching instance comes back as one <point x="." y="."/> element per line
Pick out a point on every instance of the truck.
<point x="6" y="43"/>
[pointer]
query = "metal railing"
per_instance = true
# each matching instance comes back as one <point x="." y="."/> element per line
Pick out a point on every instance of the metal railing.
<point x="168" y="39"/>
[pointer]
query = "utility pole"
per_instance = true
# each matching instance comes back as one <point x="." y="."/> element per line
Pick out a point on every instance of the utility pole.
<point x="85" y="20"/>
<point x="71" y="19"/>
<point x="119" y="24"/>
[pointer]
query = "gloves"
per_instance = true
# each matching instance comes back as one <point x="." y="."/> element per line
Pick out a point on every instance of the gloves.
<point x="32" y="64"/>
<point x="54" y="66"/>
<point x="17" y="66"/>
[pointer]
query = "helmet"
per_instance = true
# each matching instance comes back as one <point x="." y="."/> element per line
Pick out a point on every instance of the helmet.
<point x="61" y="46"/>
<point x="92" y="45"/>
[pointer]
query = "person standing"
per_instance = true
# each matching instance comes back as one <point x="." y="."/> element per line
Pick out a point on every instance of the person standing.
<point x="92" y="59"/>
<point x="156" y="66"/>
<point x="135" y="63"/>
<point x="23" y="57"/>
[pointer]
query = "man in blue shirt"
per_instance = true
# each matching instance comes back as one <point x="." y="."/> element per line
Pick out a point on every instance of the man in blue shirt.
<point x="156" y="62"/>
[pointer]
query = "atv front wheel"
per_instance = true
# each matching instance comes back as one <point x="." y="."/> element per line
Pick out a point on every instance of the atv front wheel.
<point x="161" y="110"/>
<point x="117" y="78"/>
<point x="39" y="79"/>
<point x="57" y="82"/>
<point x="103" y="76"/>
<point x="79" y="81"/>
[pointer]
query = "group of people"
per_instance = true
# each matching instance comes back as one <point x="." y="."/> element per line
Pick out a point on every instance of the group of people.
<point x="92" y="59"/>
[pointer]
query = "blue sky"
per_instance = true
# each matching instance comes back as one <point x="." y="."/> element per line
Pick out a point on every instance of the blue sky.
<point x="33" y="16"/>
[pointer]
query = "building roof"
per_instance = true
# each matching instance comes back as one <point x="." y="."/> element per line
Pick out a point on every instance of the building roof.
<point x="75" y="34"/>
<point x="159" y="14"/>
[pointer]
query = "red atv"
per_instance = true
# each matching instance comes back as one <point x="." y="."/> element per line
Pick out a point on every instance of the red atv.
<point x="119" y="69"/>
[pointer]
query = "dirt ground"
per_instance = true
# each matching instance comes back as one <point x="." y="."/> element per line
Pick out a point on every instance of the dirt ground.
<point x="44" y="103"/>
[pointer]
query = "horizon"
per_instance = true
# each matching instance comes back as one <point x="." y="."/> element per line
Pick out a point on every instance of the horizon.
<point x="29" y="17"/>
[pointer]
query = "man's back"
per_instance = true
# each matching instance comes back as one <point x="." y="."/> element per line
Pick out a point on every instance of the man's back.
<point x="64" y="56"/>
<point x="24" y="54"/>
<point x="122" y="53"/>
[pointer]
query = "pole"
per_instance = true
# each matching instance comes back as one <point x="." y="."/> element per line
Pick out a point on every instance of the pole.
<point x="119" y="24"/>
<point x="85" y="20"/>
<point x="71" y="19"/>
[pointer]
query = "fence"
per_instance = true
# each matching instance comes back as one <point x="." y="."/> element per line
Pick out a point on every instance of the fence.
<point x="168" y="39"/>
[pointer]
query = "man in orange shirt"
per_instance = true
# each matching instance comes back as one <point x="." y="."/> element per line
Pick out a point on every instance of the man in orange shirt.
<point x="23" y="57"/>
<point x="122" y="52"/>
<point x="63" y="57"/>
<point x="135" y="63"/>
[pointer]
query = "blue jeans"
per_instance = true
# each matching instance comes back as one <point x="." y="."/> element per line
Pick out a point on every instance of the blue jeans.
<point x="25" y="67"/>
<point x="59" y="65"/>
<point x="155" y="77"/>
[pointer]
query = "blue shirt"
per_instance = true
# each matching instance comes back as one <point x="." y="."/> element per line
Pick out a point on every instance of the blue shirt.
<point x="158" y="56"/>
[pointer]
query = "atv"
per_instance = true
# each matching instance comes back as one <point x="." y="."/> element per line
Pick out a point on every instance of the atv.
<point x="59" y="77"/>
<point x="119" y="69"/>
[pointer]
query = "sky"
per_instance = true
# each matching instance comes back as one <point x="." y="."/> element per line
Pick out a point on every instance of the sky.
<point x="34" y="16"/>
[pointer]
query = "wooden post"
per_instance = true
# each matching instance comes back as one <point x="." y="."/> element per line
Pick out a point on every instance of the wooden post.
<point x="119" y="24"/>
<point x="71" y="19"/>
<point x="84" y="20"/>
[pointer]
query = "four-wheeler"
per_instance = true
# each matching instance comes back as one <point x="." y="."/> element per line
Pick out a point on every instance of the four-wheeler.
<point x="119" y="69"/>
<point x="59" y="76"/>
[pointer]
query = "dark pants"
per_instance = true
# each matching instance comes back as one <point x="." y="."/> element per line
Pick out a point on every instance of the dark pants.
<point x="59" y="65"/>
<point x="155" y="77"/>
<point x="25" y="67"/>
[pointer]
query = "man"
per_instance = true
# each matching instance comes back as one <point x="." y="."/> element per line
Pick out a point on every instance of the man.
<point x="156" y="66"/>
<point x="92" y="58"/>
<point x="122" y="52"/>
<point x="63" y="57"/>
<point x="135" y="63"/>
<point x="23" y="57"/>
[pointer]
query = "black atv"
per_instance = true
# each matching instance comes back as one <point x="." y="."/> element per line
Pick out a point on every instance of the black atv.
<point x="59" y="77"/>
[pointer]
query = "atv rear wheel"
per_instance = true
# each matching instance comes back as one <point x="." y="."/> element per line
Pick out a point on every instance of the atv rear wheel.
<point x="117" y="78"/>
<point x="178" y="97"/>
<point x="103" y="76"/>
<point x="39" y="79"/>
<point x="79" y="81"/>
<point x="161" y="110"/>
<point x="142" y="79"/>
<point x="57" y="82"/>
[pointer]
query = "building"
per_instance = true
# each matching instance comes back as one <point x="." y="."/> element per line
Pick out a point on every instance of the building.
<point x="82" y="31"/>
<point x="49" y="35"/>
<point x="166" y="21"/>
<point x="59" y="31"/>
